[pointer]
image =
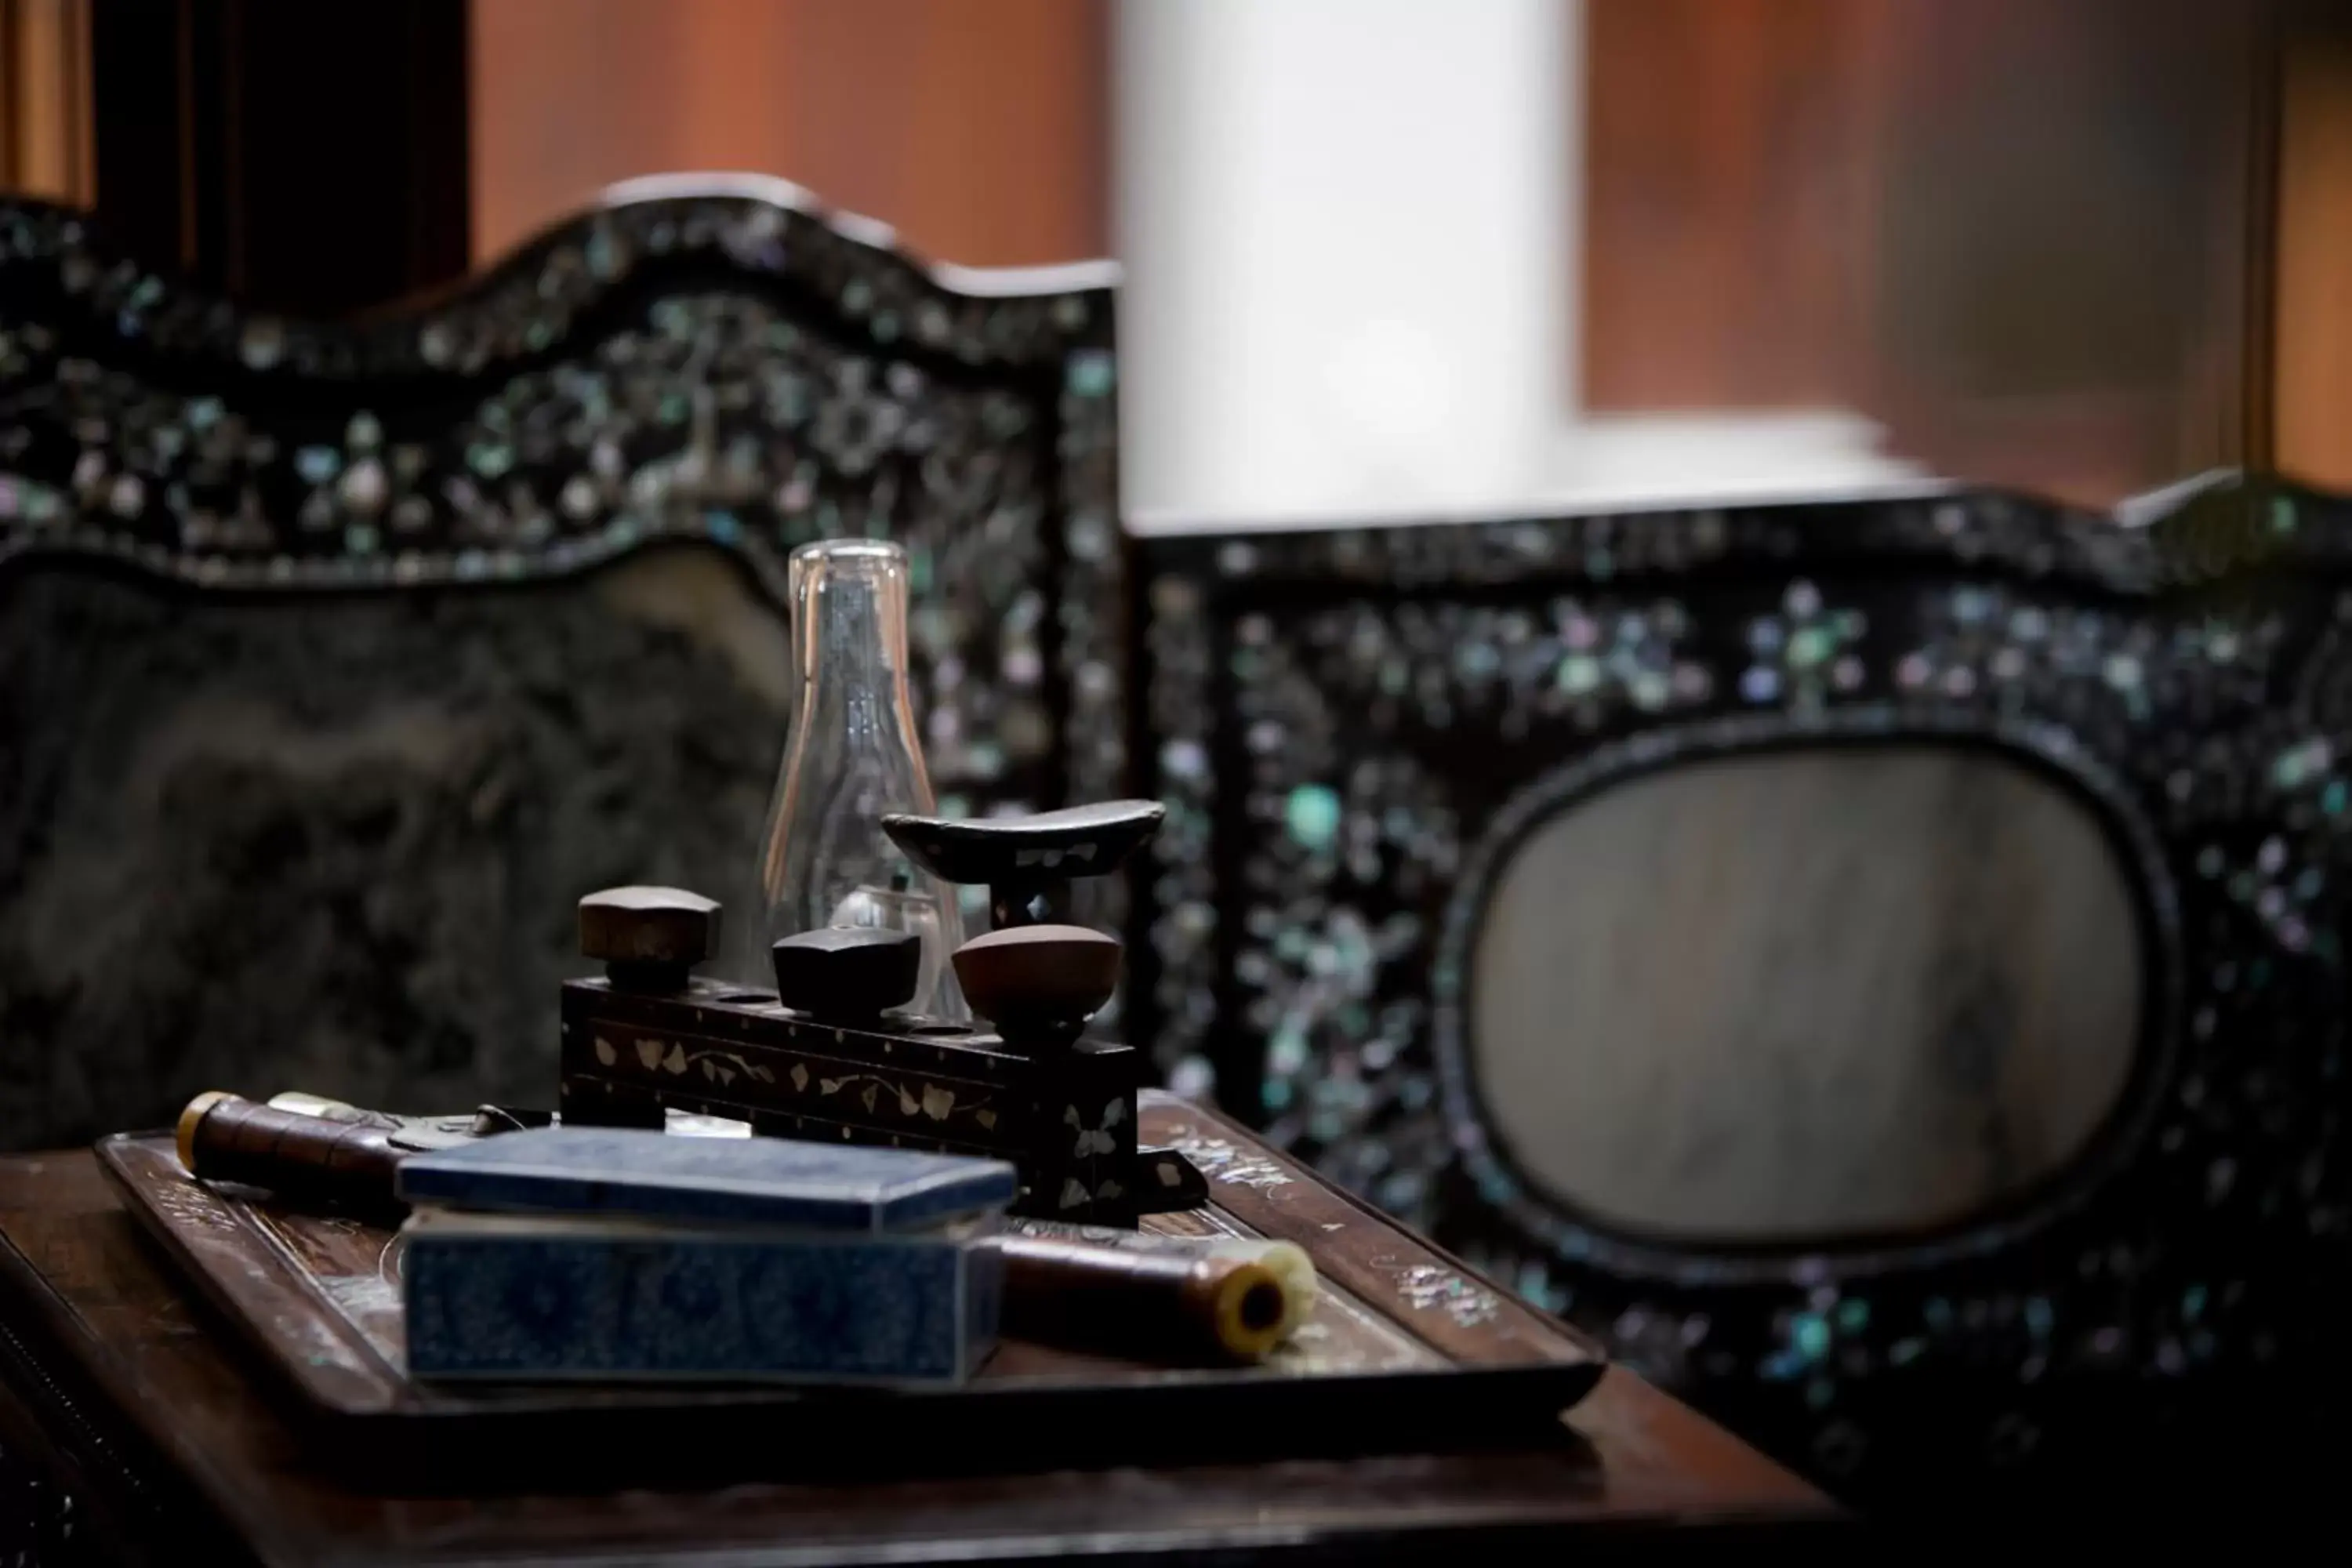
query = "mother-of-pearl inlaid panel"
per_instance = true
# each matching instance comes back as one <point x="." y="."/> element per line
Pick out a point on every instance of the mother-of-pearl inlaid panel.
<point x="314" y="725"/>
<point x="1802" y="995"/>
<point x="1357" y="731"/>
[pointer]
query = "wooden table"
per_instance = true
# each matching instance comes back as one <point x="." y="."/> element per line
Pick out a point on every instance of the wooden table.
<point x="122" y="1391"/>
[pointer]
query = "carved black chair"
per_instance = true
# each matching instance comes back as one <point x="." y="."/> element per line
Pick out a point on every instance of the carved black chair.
<point x="1880" y="966"/>
<point x="336" y="662"/>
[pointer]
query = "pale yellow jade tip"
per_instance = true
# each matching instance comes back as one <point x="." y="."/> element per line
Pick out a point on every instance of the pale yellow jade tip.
<point x="189" y="1120"/>
<point x="1245" y="1333"/>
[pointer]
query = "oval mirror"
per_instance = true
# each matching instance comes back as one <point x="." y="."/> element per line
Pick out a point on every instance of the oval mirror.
<point x="1798" y="995"/>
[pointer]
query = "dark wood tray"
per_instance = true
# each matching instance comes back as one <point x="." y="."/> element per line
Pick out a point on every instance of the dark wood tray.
<point x="1409" y="1350"/>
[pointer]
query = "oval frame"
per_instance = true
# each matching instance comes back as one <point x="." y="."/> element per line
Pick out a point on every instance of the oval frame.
<point x="2049" y="752"/>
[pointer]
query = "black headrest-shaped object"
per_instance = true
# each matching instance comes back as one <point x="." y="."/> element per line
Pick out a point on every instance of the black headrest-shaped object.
<point x="1019" y="857"/>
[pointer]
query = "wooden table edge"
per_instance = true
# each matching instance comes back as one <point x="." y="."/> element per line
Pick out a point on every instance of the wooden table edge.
<point x="130" y="1407"/>
<point x="1773" y="1497"/>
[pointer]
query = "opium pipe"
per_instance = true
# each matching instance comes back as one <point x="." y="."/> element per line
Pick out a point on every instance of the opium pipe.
<point x="303" y="1160"/>
<point x="1153" y="1306"/>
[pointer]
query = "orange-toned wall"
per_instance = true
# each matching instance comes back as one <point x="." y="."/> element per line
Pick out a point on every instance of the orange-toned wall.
<point x="2313" y="304"/>
<point x="1960" y="217"/>
<point x="977" y="128"/>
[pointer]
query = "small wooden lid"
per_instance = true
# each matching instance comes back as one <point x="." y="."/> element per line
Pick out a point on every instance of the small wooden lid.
<point x="846" y="971"/>
<point x="649" y="925"/>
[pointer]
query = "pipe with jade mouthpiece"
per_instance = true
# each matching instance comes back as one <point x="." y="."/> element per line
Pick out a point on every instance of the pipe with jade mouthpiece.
<point x="302" y="1159"/>
<point x="313" y="1152"/>
<point x="1185" y="1307"/>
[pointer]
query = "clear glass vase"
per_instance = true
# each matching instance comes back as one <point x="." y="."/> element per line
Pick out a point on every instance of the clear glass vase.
<point x="852" y="756"/>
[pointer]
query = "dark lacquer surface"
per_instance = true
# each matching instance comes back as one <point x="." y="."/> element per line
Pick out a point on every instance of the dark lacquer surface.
<point x="157" y="1415"/>
<point x="1408" y="1351"/>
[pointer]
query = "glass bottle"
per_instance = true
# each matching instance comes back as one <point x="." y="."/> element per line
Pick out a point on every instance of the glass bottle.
<point x="853" y="755"/>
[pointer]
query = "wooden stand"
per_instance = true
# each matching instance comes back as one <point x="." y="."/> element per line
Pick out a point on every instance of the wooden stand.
<point x="827" y="1055"/>
<point x="1066" y="1118"/>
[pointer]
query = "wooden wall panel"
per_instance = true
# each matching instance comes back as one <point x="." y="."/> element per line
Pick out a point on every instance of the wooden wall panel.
<point x="2018" y="235"/>
<point x="45" y="119"/>
<point x="2069" y="216"/>
<point x="1730" y="189"/>
<point x="298" y="157"/>
<point x="2313" y="358"/>
<point x="977" y="128"/>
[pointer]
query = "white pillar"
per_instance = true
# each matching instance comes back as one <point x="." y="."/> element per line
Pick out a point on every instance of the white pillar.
<point x="1346" y="231"/>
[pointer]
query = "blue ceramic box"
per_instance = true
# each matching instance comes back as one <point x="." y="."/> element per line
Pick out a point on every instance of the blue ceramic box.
<point x="536" y="1299"/>
<point x="605" y="1253"/>
<point x="751" y="1181"/>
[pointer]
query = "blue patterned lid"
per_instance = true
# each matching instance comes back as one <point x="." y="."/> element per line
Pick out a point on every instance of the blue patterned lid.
<point x="657" y="1175"/>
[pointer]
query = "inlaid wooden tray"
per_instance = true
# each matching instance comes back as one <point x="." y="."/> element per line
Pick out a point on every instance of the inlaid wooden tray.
<point x="1409" y="1350"/>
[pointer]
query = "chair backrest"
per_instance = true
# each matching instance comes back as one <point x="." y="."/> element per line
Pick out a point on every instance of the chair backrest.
<point x="1880" y="965"/>
<point x="336" y="662"/>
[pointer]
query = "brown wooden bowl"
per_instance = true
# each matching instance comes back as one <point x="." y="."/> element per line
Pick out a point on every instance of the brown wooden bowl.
<point x="1042" y="977"/>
